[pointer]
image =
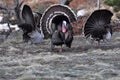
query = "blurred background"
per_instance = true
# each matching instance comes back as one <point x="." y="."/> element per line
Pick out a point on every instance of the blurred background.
<point x="82" y="8"/>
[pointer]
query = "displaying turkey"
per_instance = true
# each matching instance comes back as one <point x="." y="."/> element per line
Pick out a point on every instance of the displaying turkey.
<point x="62" y="35"/>
<point x="98" y="26"/>
<point x="56" y="24"/>
<point x="30" y="30"/>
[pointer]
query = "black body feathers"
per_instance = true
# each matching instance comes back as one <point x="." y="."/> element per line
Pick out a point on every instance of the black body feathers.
<point x="59" y="38"/>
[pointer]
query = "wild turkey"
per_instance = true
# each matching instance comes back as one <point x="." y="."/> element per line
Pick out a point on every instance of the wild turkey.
<point x="29" y="27"/>
<point x="98" y="26"/>
<point x="62" y="35"/>
<point x="56" y="18"/>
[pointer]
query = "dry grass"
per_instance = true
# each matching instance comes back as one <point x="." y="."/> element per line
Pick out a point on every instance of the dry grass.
<point x="22" y="61"/>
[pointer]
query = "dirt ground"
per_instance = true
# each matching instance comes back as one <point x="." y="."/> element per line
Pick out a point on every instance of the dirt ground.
<point x="84" y="61"/>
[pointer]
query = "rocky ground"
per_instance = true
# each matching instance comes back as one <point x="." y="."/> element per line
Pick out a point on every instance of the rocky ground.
<point x="84" y="61"/>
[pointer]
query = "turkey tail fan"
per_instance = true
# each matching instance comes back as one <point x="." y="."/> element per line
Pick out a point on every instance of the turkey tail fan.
<point x="97" y="23"/>
<point x="27" y="16"/>
<point x="55" y="14"/>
